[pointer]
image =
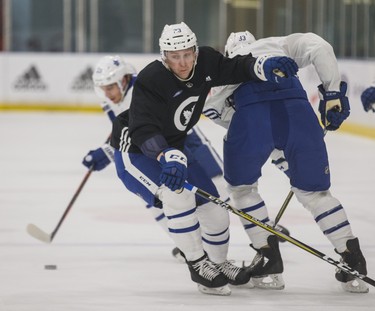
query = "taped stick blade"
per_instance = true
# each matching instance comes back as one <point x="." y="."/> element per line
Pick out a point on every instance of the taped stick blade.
<point x="38" y="234"/>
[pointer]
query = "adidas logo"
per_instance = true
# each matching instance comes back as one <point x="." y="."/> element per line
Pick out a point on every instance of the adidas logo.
<point x="84" y="81"/>
<point x="30" y="80"/>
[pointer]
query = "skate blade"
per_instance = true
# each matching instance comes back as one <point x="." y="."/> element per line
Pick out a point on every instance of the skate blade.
<point x="219" y="291"/>
<point x="355" y="286"/>
<point x="271" y="281"/>
<point x="248" y="285"/>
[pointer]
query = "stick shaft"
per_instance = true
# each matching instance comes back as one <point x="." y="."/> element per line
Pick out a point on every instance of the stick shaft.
<point x="75" y="196"/>
<point x="283" y="207"/>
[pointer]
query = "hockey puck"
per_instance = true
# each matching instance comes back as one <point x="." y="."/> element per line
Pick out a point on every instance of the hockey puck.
<point x="50" y="267"/>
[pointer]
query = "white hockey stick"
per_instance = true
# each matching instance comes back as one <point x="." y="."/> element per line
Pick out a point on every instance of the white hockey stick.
<point x="38" y="233"/>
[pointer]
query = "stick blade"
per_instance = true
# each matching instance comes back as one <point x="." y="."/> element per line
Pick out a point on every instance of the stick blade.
<point x="38" y="234"/>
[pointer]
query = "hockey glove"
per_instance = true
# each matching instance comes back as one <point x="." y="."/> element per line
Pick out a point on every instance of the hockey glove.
<point x="173" y="168"/>
<point x="333" y="107"/>
<point x="99" y="158"/>
<point x="368" y="99"/>
<point x="275" y="69"/>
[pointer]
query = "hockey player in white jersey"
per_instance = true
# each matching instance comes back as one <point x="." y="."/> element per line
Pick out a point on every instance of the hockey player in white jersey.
<point x="113" y="80"/>
<point x="280" y="116"/>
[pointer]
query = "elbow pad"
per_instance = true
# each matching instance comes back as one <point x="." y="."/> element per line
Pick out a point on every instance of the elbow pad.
<point x="153" y="146"/>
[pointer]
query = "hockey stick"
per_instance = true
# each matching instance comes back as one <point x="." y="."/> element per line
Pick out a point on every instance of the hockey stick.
<point x="41" y="235"/>
<point x="283" y="208"/>
<point x="279" y="234"/>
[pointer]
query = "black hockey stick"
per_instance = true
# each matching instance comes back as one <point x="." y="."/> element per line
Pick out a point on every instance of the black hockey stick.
<point x="283" y="207"/>
<point x="279" y="234"/>
<point x="43" y="236"/>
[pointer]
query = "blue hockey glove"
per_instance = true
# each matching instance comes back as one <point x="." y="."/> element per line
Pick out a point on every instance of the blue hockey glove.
<point x="334" y="107"/>
<point x="99" y="158"/>
<point x="275" y="69"/>
<point x="368" y="99"/>
<point x="173" y="168"/>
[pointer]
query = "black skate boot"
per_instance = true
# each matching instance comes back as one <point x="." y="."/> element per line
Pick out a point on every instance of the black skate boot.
<point x="267" y="266"/>
<point x="176" y="253"/>
<point x="353" y="257"/>
<point x="235" y="275"/>
<point x="208" y="277"/>
<point x="280" y="228"/>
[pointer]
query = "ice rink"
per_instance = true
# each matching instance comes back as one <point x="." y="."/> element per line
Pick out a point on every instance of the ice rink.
<point x="110" y="253"/>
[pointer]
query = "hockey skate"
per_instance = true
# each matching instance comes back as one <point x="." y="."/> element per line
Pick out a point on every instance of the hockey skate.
<point x="208" y="277"/>
<point x="267" y="266"/>
<point x="176" y="253"/>
<point x="353" y="257"/>
<point x="235" y="275"/>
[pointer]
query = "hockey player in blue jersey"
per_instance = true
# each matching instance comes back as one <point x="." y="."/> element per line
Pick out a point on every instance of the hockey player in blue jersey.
<point x="269" y="116"/>
<point x="168" y="97"/>
<point x="113" y="80"/>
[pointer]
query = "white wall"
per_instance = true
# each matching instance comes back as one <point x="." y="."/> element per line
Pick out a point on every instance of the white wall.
<point x="65" y="79"/>
<point x="48" y="79"/>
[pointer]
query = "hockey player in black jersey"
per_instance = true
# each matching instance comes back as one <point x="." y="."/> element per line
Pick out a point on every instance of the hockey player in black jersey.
<point x="168" y="99"/>
<point x="113" y="83"/>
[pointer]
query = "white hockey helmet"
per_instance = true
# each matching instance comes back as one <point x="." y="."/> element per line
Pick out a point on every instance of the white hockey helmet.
<point x="236" y="41"/>
<point x="177" y="37"/>
<point x="111" y="69"/>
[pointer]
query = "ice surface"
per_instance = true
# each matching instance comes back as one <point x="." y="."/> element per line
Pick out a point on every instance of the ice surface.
<point x="110" y="253"/>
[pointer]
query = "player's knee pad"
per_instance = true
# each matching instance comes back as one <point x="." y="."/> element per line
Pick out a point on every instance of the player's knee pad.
<point x="180" y="210"/>
<point x="247" y="199"/>
<point x="326" y="210"/>
<point x="245" y="195"/>
<point x="316" y="202"/>
<point x="176" y="202"/>
<point x="214" y="219"/>
<point x="183" y="223"/>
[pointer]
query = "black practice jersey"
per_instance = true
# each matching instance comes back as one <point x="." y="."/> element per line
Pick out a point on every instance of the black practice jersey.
<point x="120" y="139"/>
<point x="164" y="105"/>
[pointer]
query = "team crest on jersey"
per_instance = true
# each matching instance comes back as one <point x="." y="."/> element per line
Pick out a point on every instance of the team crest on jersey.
<point x="184" y="112"/>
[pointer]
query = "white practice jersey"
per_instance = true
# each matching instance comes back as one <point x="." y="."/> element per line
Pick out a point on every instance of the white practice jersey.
<point x="305" y="48"/>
